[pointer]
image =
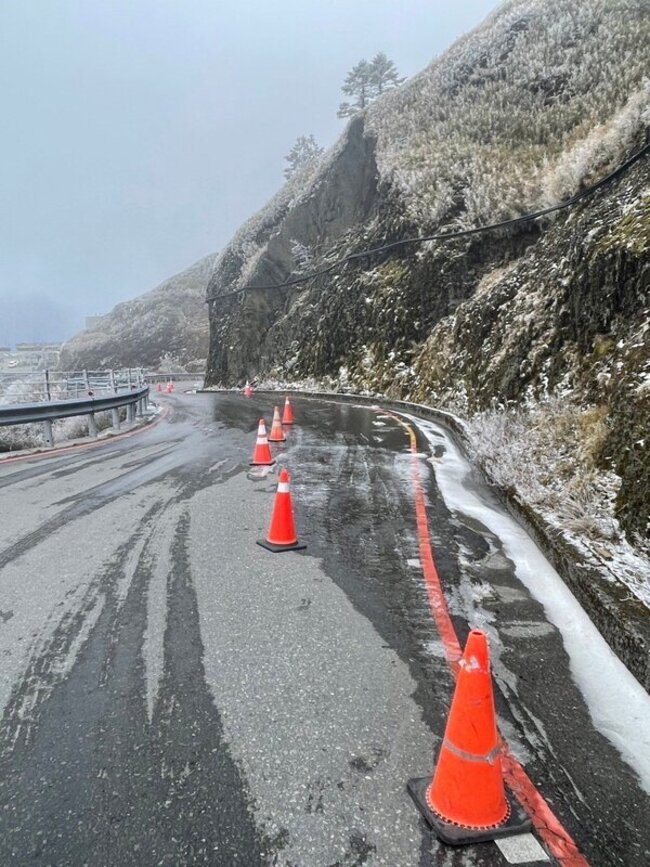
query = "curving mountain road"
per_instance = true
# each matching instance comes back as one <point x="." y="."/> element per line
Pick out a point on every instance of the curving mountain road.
<point x="173" y="694"/>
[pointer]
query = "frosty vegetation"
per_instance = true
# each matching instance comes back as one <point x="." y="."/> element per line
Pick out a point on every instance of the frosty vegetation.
<point x="167" y="325"/>
<point x="366" y="81"/>
<point x="305" y="150"/>
<point x="548" y="453"/>
<point x="520" y="113"/>
<point x="14" y="438"/>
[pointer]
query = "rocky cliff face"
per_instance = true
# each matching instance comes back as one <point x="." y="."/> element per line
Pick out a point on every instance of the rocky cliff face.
<point x="545" y="98"/>
<point x="342" y="198"/>
<point x="171" y="321"/>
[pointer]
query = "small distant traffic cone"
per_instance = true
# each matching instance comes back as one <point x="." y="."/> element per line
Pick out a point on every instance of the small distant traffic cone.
<point x="248" y="391"/>
<point x="287" y="415"/>
<point x="282" y="532"/>
<point x="277" y="434"/>
<point x="262" y="453"/>
<point x="466" y="801"/>
<point x="169" y="388"/>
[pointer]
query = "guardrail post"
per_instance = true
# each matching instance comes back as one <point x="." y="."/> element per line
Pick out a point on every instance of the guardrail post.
<point x="92" y="426"/>
<point x="116" y="419"/>
<point x="130" y="413"/>
<point x="47" y="433"/>
<point x="48" y="396"/>
<point x="111" y="374"/>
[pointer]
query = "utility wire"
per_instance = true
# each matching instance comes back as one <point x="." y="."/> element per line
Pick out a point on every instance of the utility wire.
<point x="443" y="236"/>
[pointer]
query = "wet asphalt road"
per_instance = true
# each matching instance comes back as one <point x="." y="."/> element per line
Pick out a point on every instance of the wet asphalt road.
<point x="174" y="694"/>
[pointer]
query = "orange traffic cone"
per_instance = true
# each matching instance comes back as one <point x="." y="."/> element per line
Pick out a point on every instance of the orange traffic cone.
<point x="248" y="391"/>
<point x="169" y="388"/>
<point x="287" y="415"/>
<point x="282" y="532"/>
<point x="466" y="801"/>
<point x="262" y="453"/>
<point x="277" y="434"/>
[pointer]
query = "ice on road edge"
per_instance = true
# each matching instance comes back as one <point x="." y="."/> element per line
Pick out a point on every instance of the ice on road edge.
<point x="617" y="703"/>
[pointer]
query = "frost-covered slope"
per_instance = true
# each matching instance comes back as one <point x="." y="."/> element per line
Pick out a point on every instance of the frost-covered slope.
<point x="519" y="113"/>
<point x="541" y="100"/>
<point x="170" y="320"/>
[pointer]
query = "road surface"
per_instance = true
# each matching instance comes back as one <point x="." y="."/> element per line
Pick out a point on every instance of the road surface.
<point x="172" y="693"/>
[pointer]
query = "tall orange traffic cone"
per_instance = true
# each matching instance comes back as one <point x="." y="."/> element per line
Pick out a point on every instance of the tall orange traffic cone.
<point x="262" y="453"/>
<point x="277" y="434"/>
<point x="248" y="391"/>
<point x="169" y="388"/>
<point x="287" y="415"/>
<point x="466" y="801"/>
<point x="282" y="532"/>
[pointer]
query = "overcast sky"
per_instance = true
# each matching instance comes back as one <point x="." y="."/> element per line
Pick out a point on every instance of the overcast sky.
<point x="138" y="134"/>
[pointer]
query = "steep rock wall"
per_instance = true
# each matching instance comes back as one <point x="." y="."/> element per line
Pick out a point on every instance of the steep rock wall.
<point x="345" y="197"/>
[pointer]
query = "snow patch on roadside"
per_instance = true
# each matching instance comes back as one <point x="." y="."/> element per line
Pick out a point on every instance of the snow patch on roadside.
<point x="606" y="684"/>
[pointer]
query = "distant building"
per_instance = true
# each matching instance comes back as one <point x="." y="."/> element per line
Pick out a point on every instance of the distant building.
<point x="35" y="356"/>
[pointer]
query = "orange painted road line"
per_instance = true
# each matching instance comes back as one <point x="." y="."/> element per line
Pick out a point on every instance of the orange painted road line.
<point x="557" y="839"/>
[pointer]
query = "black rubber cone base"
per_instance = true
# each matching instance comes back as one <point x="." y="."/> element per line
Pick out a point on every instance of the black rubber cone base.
<point x="277" y="548"/>
<point x="455" y="835"/>
<point x="253" y="464"/>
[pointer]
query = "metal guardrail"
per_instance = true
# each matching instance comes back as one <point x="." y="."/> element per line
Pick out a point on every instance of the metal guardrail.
<point x="46" y="412"/>
<point x="20" y="386"/>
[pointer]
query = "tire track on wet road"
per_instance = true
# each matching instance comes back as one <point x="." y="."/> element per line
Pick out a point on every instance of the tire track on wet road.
<point x="96" y="782"/>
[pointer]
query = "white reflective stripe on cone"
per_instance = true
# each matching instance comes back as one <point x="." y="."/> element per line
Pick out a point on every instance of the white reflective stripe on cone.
<point x="283" y="487"/>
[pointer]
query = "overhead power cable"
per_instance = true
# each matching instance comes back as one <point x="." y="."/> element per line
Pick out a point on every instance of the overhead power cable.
<point x="443" y="236"/>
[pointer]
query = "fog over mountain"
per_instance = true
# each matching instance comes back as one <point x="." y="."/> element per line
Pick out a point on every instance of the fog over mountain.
<point x="137" y="136"/>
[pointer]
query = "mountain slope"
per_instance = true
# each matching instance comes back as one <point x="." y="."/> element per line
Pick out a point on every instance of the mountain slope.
<point x="543" y="99"/>
<point x="170" y="320"/>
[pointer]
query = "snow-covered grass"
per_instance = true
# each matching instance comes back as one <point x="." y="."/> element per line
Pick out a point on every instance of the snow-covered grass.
<point x="549" y="454"/>
<point x="520" y="112"/>
<point x="14" y="438"/>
